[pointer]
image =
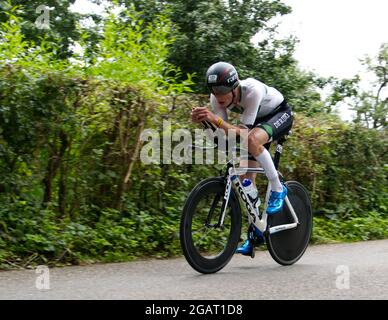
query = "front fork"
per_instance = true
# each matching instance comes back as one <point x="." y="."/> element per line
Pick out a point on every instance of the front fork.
<point x="225" y="200"/>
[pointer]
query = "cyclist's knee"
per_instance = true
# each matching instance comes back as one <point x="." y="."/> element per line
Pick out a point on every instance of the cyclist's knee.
<point x="256" y="139"/>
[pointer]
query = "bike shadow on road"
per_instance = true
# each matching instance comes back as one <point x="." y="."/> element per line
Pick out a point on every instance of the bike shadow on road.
<point x="263" y="270"/>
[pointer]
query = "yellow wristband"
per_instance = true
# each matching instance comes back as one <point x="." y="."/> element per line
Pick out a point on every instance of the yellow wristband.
<point x="219" y="122"/>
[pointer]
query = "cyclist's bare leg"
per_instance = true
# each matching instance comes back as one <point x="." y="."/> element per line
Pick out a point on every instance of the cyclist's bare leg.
<point x="257" y="138"/>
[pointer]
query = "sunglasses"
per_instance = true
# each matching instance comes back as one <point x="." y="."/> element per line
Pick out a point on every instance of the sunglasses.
<point x="219" y="90"/>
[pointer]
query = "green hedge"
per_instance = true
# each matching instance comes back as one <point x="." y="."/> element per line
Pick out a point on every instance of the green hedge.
<point x="344" y="167"/>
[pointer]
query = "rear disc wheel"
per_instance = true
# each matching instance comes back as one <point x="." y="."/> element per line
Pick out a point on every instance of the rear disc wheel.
<point x="287" y="247"/>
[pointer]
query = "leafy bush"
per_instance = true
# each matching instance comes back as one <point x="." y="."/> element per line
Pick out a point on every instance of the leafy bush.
<point x="343" y="165"/>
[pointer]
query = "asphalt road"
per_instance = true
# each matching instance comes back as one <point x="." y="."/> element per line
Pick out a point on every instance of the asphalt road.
<point x="338" y="271"/>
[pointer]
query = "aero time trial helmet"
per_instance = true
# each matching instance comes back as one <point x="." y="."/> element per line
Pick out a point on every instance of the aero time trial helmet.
<point x="222" y="78"/>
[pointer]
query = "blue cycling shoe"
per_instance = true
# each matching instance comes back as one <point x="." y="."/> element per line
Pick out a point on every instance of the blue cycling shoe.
<point x="246" y="248"/>
<point x="276" y="201"/>
<point x="255" y="238"/>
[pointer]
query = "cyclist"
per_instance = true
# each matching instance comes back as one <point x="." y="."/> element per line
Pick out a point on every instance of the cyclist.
<point x="266" y="114"/>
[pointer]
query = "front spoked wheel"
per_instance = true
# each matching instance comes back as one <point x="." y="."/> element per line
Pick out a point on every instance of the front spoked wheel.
<point x="286" y="247"/>
<point x="206" y="246"/>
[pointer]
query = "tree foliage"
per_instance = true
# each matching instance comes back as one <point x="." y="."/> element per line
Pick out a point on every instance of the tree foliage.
<point x="61" y="25"/>
<point x="372" y="106"/>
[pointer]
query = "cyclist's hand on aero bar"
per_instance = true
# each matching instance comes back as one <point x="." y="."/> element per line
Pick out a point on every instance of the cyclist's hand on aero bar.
<point x="200" y="114"/>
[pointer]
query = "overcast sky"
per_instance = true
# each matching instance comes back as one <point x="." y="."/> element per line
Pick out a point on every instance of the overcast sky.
<point x="335" y="34"/>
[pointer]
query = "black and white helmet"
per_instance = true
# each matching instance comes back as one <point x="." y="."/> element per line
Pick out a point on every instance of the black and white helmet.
<point x="222" y="78"/>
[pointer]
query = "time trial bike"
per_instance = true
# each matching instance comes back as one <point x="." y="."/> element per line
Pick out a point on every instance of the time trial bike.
<point x="211" y="219"/>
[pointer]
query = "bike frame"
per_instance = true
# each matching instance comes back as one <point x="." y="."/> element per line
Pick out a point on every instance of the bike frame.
<point x="232" y="177"/>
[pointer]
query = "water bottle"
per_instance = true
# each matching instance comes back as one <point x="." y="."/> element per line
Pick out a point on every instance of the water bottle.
<point x="251" y="191"/>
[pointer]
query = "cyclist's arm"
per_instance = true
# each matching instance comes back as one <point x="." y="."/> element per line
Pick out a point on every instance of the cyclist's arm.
<point x="222" y="113"/>
<point x="203" y="114"/>
<point x="227" y="126"/>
